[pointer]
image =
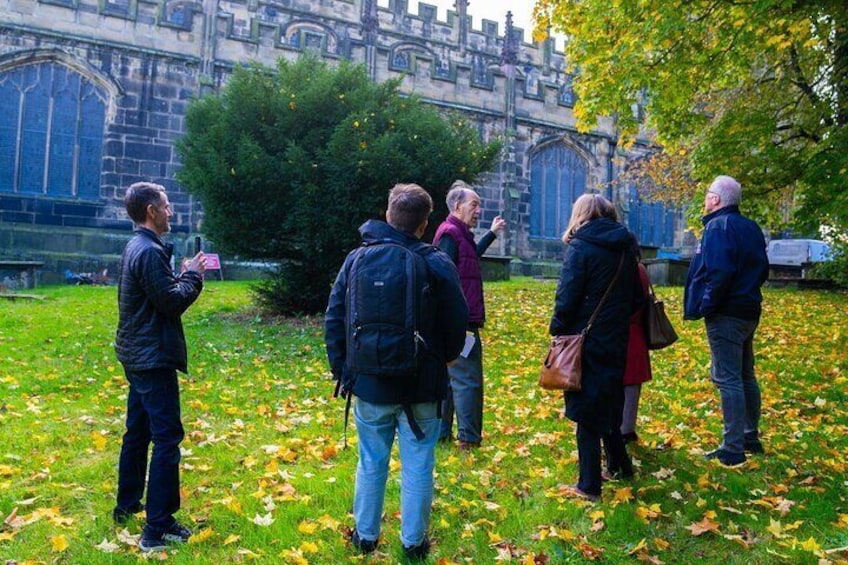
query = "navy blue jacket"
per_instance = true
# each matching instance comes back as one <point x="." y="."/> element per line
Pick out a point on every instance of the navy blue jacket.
<point x="590" y="262"/>
<point x="150" y="302"/>
<point x="445" y="337"/>
<point x="728" y="269"/>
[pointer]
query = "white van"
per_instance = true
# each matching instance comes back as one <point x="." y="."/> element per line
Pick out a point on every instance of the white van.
<point x="797" y="251"/>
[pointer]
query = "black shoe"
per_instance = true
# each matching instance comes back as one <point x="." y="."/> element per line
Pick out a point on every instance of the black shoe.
<point x="610" y="475"/>
<point x="726" y="458"/>
<point x="418" y="552"/>
<point x="754" y="447"/>
<point x="175" y="534"/>
<point x="122" y="515"/>
<point x="363" y="545"/>
<point x="630" y="437"/>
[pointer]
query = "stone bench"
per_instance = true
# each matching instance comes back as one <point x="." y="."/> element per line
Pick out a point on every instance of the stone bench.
<point x="666" y="271"/>
<point x="22" y="271"/>
<point x="495" y="267"/>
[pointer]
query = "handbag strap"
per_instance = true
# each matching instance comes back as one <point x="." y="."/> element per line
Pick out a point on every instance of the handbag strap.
<point x="606" y="294"/>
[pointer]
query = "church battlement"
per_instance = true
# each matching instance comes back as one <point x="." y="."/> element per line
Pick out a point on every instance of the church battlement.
<point x="429" y="53"/>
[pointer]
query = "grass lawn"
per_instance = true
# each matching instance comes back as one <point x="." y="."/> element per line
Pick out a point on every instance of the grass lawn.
<point x="265" y="477"/>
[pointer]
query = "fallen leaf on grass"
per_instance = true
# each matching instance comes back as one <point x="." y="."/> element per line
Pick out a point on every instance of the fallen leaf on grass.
<point x="125" y="537"/>
<point x="107" y="546"/>
<point x="622" y="495"/>
<point x="58" y="543"/>
<point x="263" y="521"/>
<point x="702" y="527"/>
<point x="200" y="536"/>
<point x="294" y="556"/>
<point x="590" y="552"/>
<point x="810" y="545"/>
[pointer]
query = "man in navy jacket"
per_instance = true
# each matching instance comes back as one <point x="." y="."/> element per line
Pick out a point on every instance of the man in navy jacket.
<point x="723" y="287"/>
<point x="387" y="405"/>
<point x="151" y="346"/>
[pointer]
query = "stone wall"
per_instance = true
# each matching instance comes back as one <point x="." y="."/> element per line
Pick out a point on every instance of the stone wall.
<point x="150" y="58"/>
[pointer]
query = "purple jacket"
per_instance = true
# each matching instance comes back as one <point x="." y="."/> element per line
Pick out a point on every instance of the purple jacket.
<point x="468" y="265"/>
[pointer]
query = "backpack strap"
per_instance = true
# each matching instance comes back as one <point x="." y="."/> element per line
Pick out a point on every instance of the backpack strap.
<point x="413" y="425"/>
<point x="347" y="417"/>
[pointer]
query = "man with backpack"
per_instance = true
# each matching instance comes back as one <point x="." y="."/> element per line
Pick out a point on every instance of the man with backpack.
<point x="395" y="318"/>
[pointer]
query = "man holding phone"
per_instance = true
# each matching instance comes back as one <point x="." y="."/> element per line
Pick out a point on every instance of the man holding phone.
<point x="151" y="346"/>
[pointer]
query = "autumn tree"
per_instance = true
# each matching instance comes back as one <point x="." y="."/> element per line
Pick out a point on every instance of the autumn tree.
<point x="757" y="89"/>
<point x="289" y="162"/>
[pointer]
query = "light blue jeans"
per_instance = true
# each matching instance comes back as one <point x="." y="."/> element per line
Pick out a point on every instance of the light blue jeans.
<point x="376" y="425"/>
<point x="732" y="371"/>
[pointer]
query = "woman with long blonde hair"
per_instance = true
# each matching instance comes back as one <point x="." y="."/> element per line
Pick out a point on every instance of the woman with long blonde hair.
<point x="595" y="245"/>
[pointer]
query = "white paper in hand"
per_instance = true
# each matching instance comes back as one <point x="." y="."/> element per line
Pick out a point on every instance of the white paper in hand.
<point x="469" y="344"/>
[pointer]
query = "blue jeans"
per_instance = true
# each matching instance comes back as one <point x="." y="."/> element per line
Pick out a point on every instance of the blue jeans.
<point x="465" y="396"/>
<point x="153" y="414"/>
<point x="376" y="425"/>
<point x="732" y="371"/>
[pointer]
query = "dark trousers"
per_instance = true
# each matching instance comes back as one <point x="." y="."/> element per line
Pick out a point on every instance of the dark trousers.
<point x="589" y="440"/>
<point x="732" y="370"/>
<point x="465" y="396"/>
<point x="153" y="415"/>
<point x="589" y="459"/>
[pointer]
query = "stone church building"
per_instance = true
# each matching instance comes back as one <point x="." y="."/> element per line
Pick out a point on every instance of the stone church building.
<point x="94" y="95"/>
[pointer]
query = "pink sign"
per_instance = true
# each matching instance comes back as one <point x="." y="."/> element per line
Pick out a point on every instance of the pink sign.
<point x="213" y="263"/>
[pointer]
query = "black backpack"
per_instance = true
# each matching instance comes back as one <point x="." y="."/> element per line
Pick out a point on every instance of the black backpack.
<point x="386" y="307"/>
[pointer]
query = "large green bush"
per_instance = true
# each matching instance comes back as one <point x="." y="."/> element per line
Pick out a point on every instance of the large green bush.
<point x="289" y="162"/>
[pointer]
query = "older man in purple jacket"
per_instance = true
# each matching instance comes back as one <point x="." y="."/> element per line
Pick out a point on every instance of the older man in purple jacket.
<point x="454" y="237"/>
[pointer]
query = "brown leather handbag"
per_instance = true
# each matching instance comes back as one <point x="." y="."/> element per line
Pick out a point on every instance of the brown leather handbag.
<point x="563" y="366"/>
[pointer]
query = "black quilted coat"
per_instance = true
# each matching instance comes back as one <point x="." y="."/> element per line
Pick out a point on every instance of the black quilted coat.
<point x="590" y="262"/>
<point x="151" y="300"/>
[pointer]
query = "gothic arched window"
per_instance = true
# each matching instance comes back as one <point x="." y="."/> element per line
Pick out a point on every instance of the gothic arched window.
<point x="401" y="60"/>
<point x="651" y="221"/>
<point x="51" y="131"/>
<point x="557" y="179"/>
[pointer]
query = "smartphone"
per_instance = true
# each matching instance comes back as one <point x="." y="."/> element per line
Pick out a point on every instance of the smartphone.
<point x="197" y="245"/>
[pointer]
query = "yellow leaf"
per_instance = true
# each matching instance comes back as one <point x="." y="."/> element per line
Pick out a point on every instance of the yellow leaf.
<point x="306" y="527"/>
<point x="810" y="545"/>
<point x="775" y="528"/>
<point x="58" y="543"/>
<point x="201" y="536"/>
<point x="623" y="495"/>
<point x="232" y="538"/>
<point x="494" y="537"/>
<point x="308" y="547"/>
<point x="643" y="543"/>
<point x="327" y="522"/>
<point x="99" y="441"/>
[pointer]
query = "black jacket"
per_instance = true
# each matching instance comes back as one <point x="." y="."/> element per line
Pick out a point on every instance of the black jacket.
<point x="590" y="262"/>
<point x="728" y="268"/>
<point x="445" y="337"/>
<point x="150" y="302"/>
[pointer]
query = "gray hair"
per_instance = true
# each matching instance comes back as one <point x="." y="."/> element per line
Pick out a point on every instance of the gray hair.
<point x="728" y="189"/>
<point x="457" y="194"/>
